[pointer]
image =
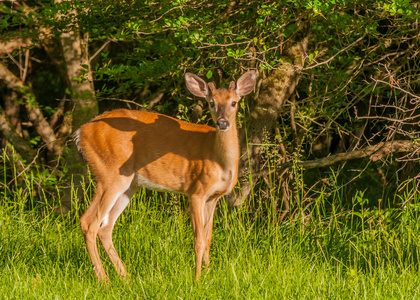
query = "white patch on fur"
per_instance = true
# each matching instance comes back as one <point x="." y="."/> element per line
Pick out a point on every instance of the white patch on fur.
<point x="214" y="189"/>
<point x="105" y="220"/>
<point x="143" y="182"/>
<point x="76" y="138"/>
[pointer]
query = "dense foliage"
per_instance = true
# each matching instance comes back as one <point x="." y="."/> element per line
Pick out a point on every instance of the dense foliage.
<point x="356" y="71"/>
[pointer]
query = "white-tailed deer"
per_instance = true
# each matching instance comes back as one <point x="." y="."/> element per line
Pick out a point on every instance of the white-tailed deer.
<point x="127" y="150"/>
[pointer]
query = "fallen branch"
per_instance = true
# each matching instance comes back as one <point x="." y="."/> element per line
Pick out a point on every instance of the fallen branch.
<point x="375" y="152"/>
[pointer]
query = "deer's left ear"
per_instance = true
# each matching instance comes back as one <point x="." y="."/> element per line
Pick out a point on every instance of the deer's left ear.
<point x="232" y="85"/>
<point x="246" y="83"/>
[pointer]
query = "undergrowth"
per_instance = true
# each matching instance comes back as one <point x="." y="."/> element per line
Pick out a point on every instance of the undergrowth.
<point x="328" y="247"/>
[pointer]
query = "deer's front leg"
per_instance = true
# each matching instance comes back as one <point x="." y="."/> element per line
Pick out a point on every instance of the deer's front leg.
<point x="197" y="220"/>
<point x="209" y="209"/>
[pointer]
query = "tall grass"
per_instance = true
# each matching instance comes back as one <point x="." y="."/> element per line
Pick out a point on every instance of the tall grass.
<point x="330" y="248"/>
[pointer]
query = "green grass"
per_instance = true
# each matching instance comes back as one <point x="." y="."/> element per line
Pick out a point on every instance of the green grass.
<point x="321" y="252"/>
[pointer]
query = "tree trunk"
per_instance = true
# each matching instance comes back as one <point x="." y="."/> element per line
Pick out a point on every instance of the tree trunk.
<point x="74" y="47"/>
<point x="82" y="95"/>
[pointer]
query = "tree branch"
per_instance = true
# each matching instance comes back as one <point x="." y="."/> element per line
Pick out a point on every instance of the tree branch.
<point x="22" y="146"/>
<point x="7" y="47"/>
<point x="374" y="152"/>
<point x="35" y="114"/>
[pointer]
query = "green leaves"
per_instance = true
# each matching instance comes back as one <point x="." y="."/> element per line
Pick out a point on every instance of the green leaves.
<point x="311" y="57"/>
<point x="398" y="6"/>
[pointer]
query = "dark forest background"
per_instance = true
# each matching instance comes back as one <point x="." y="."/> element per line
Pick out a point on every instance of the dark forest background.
<point x="336" y="107"/>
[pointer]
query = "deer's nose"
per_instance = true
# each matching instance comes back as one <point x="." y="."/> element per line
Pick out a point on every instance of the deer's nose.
<point x="222" y="124"/>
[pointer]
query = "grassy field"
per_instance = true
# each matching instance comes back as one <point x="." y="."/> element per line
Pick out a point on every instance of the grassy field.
<point x="325" y="250"/>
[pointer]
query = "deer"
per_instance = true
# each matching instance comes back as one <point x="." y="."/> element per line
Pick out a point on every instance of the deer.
<point x="131" y="149"/>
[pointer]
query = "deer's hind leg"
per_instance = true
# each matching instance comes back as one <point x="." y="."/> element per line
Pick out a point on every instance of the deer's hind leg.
<point x="106" y="228"/>
<point x="104" y="200"/>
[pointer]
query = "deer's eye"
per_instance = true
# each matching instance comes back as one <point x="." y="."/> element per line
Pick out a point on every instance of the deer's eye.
<point x="234" y="103"/>
<point x="212" y="103"/>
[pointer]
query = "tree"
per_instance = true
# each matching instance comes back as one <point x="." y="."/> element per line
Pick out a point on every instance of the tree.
<point x="334" y="77"/>
<point x="66" y="47"/>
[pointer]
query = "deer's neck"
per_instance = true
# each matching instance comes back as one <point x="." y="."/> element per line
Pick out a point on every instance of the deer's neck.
<point x="227" y="149"/>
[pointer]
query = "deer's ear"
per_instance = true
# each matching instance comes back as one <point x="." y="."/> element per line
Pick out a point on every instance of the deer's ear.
<point x="232" y="85"/>
<point x="211" y="86"/>
<point x="197" y="86"/>
<point x="246" y="83"/>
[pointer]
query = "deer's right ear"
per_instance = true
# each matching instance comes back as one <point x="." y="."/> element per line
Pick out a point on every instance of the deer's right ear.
<point x="197" y="86"/>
